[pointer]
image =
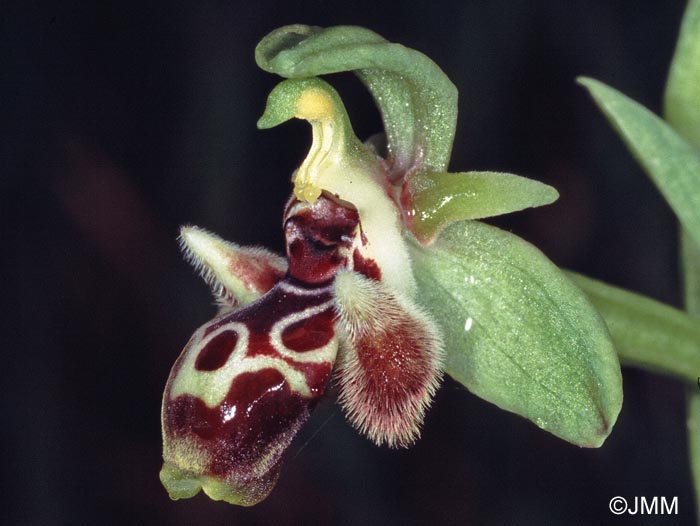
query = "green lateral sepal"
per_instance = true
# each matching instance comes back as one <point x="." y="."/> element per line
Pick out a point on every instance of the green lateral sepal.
<point x="518" y="333"/>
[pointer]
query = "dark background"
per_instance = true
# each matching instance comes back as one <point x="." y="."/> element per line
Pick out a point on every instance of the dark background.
<point x="123" y="121"/>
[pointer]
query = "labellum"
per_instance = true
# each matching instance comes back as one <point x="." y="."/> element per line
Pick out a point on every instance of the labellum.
<point x="342" y="300"/>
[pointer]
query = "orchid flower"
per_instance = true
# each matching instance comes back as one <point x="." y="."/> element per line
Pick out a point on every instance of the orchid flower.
<point x="388" y="283"/>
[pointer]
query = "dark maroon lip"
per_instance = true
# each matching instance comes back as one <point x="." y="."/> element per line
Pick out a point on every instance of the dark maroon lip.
<point x="244" y="436"/>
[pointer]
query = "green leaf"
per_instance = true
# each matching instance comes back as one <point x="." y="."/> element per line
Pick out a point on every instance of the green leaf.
<point x="519" y="333"/>
<point x="440" y="199"/>
<point x="417" y="101"/>
<point x="682" y="96"/>
<point x="646" y="333"/>
<point x="670" y="161"/>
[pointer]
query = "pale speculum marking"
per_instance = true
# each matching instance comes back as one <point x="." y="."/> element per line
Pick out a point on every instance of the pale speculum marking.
<point x="290" y="330"/>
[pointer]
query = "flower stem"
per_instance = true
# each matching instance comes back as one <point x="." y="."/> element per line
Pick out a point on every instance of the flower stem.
<point x="690" y="260"/>
<point x="682" y="111"/>
<point x="693" y="409"/>
<point x="646" y="333"/>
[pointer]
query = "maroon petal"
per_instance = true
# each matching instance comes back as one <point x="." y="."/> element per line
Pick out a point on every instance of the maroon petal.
<point x="237" y="275"/>
<point x="389" y="363"/>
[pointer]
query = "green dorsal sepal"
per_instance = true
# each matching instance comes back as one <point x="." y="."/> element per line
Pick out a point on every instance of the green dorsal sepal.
<point x="417" y="101"/>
